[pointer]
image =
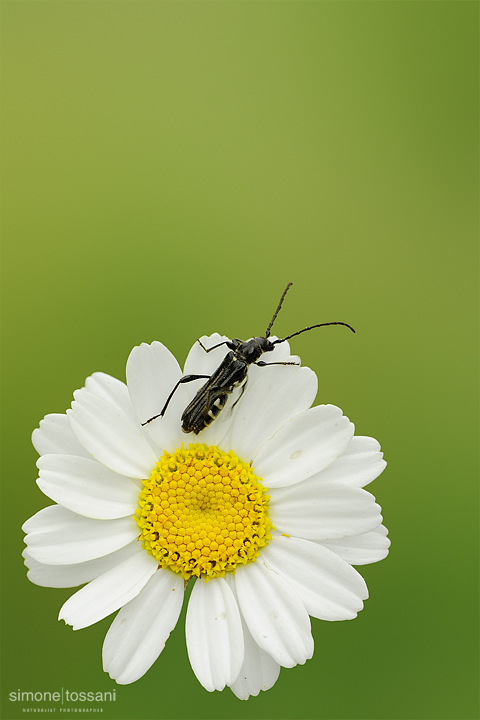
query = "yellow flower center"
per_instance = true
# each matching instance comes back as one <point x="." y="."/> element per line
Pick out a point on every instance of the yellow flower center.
<point x="202" y="512"/>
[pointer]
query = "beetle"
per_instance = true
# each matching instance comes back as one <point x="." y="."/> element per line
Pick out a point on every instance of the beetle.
<point x="230" y="374"/>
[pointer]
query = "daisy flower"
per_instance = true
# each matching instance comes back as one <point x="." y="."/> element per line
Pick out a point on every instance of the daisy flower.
<point x="264" y="509"/>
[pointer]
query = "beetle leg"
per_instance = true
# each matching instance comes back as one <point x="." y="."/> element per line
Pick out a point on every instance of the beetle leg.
<point x="185" y="379"/>
<point x="207" y="350"/>
<point x="243" y="390"/>
<point x="260" y="363"/>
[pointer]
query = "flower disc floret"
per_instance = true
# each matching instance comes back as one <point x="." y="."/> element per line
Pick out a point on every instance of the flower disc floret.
<point x="202" y="512"/>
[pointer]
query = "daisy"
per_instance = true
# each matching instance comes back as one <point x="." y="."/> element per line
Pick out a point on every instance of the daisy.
<point x="264" y="510"/>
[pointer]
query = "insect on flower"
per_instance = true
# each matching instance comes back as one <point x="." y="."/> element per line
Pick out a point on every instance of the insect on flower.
<point x="137" y="513"/>
<point x="230" y="374"/>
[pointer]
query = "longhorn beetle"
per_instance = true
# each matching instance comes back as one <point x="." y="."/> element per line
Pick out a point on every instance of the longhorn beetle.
<point x="232" y="372"/>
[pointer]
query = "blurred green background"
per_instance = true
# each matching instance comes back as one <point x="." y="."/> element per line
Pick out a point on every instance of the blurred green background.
<point x="168" y="168"/>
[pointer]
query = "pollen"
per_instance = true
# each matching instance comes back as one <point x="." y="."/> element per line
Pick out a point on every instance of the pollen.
<point x="202" y="512"/>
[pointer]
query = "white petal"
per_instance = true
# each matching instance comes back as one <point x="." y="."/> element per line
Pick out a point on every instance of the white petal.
<point x="86" y="487"/>
<point x="152" y="373"/>
<point x="49" y="518"/>
<point x="361" y="549"/>
<point x="306" y="444"/>
<point x="199" y="362"/>
<point x="318" y="511"/>
<point x="280" y="354"/>
<point x="214" y="634"/>
<point x="138" y="634"/>
<point x="273" y="398"/>
<point x="111" y="437"/>
<point x="109" y="592"/>
<point x="116" y="393"/>
<point x="361" y="463"/>
<point x="329" y="587"/>
<point x="61" y="576"/>
<point x="112" y="390"/>
<point x="59" y="537"/>
<point x="55" y="435"/>
<point x="259" y="671"/>
<point x="275" y="615"/>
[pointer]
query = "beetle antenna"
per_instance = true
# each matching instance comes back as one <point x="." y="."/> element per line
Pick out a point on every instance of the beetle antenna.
<point x="275" y="342"/>
<point x="267" y="334"/>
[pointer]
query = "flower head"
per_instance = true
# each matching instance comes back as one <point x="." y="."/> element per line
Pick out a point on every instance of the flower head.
<point x="264" y="509"/>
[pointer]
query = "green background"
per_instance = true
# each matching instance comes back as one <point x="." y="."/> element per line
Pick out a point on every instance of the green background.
<point x="168" y="168"/>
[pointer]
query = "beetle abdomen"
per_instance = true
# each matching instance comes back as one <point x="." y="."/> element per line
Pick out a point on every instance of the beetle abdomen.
<point x="199" y="416"/>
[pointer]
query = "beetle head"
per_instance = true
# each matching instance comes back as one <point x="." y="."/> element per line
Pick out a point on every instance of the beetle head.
<point x="254" y="348"/>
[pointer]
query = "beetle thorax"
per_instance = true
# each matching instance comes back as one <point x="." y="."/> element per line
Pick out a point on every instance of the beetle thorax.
<point x="251" y="350"/>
